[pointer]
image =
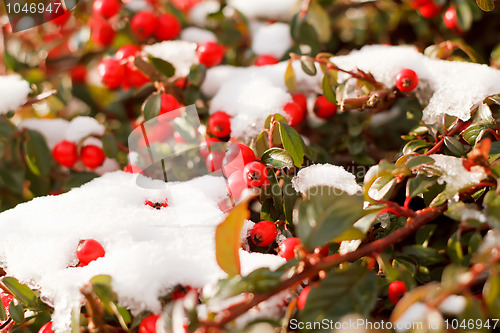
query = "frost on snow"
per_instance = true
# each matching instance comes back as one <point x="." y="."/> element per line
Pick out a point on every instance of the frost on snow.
<point x="325" y="175"/>
<point x="472" y="83"/>
<point x="181" y="54"/>
<point x="148" y="251"/>
<point x="454" y="173"/>
<point x="13" y="92"/>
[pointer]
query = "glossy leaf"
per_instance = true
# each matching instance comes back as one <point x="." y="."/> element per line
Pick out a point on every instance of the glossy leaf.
<point x="308" y="66"/>
<point x="328" y="90"/>
<point x="290" y="80"/>
<point x="325" y="215"/>
<point x="163" y="66"/>
<point x="22" y="292"/>
<point x="486" y="5"/>
<point x="277" y="158"/>
<point x="319" y="19"/>
<point x="109" y="145"/>
<point x="293" y="143"/>
<point x="16" y="312"/>
<point x="352" y="290"/>
<point x="152" y="106"/>
<point x="3" y="314"/>
<point x="37" y="153"/>
<point x="227" y="239"/>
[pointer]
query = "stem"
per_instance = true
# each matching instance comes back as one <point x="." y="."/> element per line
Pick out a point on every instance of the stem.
<point x="421" y="218"/>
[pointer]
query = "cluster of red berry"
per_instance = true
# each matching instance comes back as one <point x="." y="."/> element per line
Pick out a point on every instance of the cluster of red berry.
<point x="66" y="154"/>
<point x="101" y="22"/>
<point x="429" y="9"/>
<point x="296" y="111"/>
<point x="145" y="24"/>
<point x="120" y="71"/>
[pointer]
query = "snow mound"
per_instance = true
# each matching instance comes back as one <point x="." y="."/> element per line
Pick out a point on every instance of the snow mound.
<point x="54" y="130"/>
<point x="449" y="87"/>
<point x="81" y="127"/>
<point x="455" y="175"/>
<point x="148" y="251"/>
<point x="13" y="92"/>
<point x="325" y="175"/>
<point x="273" y="39"/>
<point x="198" y="14"/>
<point x="273" y="10"/>
<point x="197" y="35"/>
<point x="181" y="54"/>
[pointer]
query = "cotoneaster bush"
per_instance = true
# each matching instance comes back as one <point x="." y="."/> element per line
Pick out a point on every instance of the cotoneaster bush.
<point x="286" y="105"/>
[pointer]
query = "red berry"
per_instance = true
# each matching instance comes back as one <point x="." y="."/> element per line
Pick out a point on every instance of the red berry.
<point x="168" y="27"/>
<point x="59" y="16"/>
<point x="47" y="328"/>
<point x="92" y="156"/>
<point x="323" y="108"/>
<point x="106" y="8"/>
<point x="430" y="10"/>
<point x="265" y="60"/>
<point x="65" y="153"/>
<point x="144" y="24"/>
<point x="210" y="53"/>
<point x="294" y="113"/>
<point x="255" y="174"/>
<point x="236" y="184"/>
<point x="101" y="32"/>
<point x="301" y="100"/>
<point x="237" y="156"/>
<point x="286" y="249"/>
<point x="264" y="233"/>
<point x="396" y="290"/>
<point x="219" y="124"/>
<point x="111" y="72"/>
<point x="127" y="51"/>
<point x="416" y="4"/>
<point x="148" y="324"/>
<point x="134" y="77"/>
<point x="214" y="161"/>
<point x="169" y="103"/>
<point x="6" y="299"/>
<point x="301" y="301"/>
<point x="450" y="18"/>
<point x="205" y="146"/>
<point x="406" y="80"/>
<point x="133" y="169"/>
<point x="78" y="73"/>
<point x="89" y="250"/>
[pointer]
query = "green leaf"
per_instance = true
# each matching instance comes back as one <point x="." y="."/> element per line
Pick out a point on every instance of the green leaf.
<point x="486" y="5"/>
<point x="22" y="292"/>
<point x="308" y="66"/>
<point x="290" y="80"/>
<point x="290" y="197"/>
<point x="3" y="314"/>
<point x="491" y="295"/>
<point x="227" y="239"/>
<point x="326" y="214"/>
<point x="37" y="153"/>
<point x="16" y="312"/>
<point x="352" y="290"/>
<point x="414" y="145"/>
<point x="78" y="179"/>
<point x="262" y="143"/>
<point x="6" y="129"/>
<point x="425" y="256"/>
<point x="475" y="131"/>
<point x="152" y="106"/>
<point x="418" y="160"/>
<point x="293" y="143"/>
<point x="454" y="146"/>
<point x="197" y="74"/>
<point x="277" y="158"/>
<point x="319" y="19"/>
<point x="163" y="66"/>
<point x="419" y="184"/>
<point x="464" y="14"/>
<point x="109" y="145"/>
<point x="328" y="90"/>
<point x="275" y="190"/>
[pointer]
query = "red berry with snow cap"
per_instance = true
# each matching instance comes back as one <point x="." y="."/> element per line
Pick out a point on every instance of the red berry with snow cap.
<point x="92" y="156"/>
<point x="219" y="124"/>
<point x="286" y="249"/>
<point x="396" y="290"/>
<point x="255" y="174"/>
<point x="89" y="250"/>
<point x="406" y="80"/>
<point x="323" y="108"/>
<point x="264" y="233"/>
<point x="210" y="53"/>
<point x="65" y="153"/>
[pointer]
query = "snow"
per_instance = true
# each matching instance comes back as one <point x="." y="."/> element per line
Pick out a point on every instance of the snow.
<point x="273" y="39"/>
<point x="197" y="35"/>
<point x="54" y="130"/>
<point x="448" y="87"/>
<point x="454" y="173"/>
<point x="81" y="127"/>
<point x="109" y="165"/>
<point x="181" y="54"/>
<point x="198" y="14"/>
<point x="453" y="305"/>
<point x="13" y="92"/>
<point x="416" y="313"/>
<point x="327" y="175"/>
<point x="273" y="10"/>
<point x="148" y="251"/>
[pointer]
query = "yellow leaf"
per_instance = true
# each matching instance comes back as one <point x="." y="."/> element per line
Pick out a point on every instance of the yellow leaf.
<point x="227" y="239"/>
